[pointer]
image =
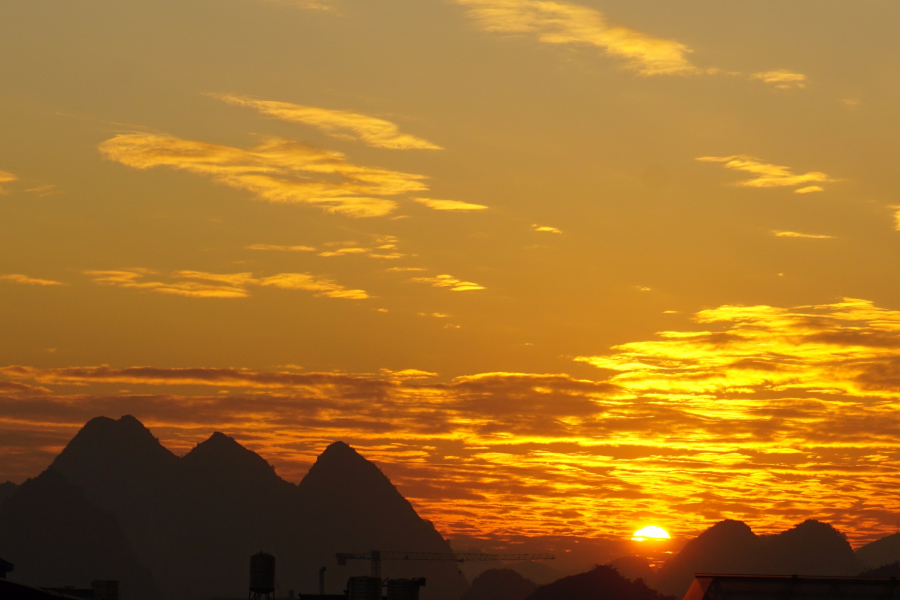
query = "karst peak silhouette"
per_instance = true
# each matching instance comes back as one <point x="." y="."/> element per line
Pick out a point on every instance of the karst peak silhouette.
<point x="190" y="523"/>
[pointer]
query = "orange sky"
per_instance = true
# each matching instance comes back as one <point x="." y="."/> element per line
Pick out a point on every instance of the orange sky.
<point x="561" y="268"/>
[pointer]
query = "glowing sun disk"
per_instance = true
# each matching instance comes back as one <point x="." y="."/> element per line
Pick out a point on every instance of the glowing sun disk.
<point x="651" y="532"/>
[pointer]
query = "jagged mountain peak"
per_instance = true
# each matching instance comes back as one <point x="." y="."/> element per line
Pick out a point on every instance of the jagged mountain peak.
<point x="342" y="466"/>
<point x="105" y="443"/>
<point x="222" y="454"/>
<point x="340" y="450"/>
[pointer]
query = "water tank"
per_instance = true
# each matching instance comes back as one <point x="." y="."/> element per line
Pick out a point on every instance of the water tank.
<point x="364" y="588"/>
<point x="262" y="573"/>
<point x="404" y="589"/>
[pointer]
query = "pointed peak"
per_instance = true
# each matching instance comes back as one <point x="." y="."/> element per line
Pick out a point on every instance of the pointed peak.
<point x="221" y="453"/>
<point x="340" y="456"/>
<point x="220" y="444"/>
<point x="103" y="440"/>
<point x="342" y="471"/>
<point x="340" y="449"/>
<point x="220" y="439"/>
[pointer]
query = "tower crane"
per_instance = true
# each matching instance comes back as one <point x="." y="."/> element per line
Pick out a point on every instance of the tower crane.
<point x="376" y="556"/>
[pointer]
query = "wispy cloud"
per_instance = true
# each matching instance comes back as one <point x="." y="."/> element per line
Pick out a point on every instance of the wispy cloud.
<point x="135" y="279"/>
<point x="336" y="123"/>
<point x="6" y="177"/>
<point x="794" y="234"/>
<point x="553" y="22"/>
<point x="448" y="281"/>
<point x="26" y="280"/>
<point x="277" y="170"/>
<point x="280" y="248"/>
<point x="383" y="247"/>
<point x="200" y="284"/>
<point x="545" y="229"/>
<point x="43" y="190"/>
<point x="769" y="175"/>
<point x="782" y="79"/>
<point x="450" y="205"/>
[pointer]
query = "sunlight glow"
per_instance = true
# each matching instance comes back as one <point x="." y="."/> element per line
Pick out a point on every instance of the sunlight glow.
<point x="651" y="532"/>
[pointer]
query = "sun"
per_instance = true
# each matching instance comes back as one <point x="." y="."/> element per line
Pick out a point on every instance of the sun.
<point x="651" y="532"/>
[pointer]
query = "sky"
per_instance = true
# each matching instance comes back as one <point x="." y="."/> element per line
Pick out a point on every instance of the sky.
<point x="562" y="269"/>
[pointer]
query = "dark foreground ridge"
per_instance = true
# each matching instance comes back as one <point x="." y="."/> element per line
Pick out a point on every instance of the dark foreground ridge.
<point x="601" y="583"/>
<point x="116" y="504"/>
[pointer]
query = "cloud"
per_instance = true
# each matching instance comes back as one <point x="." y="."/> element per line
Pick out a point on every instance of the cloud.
<point x="554" y="22"/>
<point x="761" y="413"/>
<point x="6" y="177"/>
<point x="201" y="284"/>
<point x="279" y="171"/>
<point x="281" y="248"/>
<point x="337" y="123"/>
<point x="305" y="281"/>
<point x="448" y="281"/>
<point x="545" y="229"/>
<point x="782" y="79"/>
<point x="769" y="175"/>
<point x="809" y="189"/>
<point x="26" y="280"/>
<point x="827" y="349"/>
<point x="43" y="190"/>
<point x="382" y="244"/>
<point x="794" y="234"/>
<point x="450" y="205"/>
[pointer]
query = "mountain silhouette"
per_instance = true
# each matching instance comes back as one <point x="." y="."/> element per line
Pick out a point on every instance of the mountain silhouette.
<point x="880" y="552"/>
<point x="727" y="547"/>
<point x="888" y="570"/>
<point x="730" y="547"/>
<point x="357" y="509"/>
<point x="195" y="520"/>
<point x="55" y="536"/>
<point x="633" y="567"/>
<point x="600" y="583"/>
<point x="500" y="584"/>
<point x="810" y="548"/>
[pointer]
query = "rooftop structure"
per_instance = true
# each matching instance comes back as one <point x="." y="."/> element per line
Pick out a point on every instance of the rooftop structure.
<point x="791" y="587"/>
<point x="5" y="567"/>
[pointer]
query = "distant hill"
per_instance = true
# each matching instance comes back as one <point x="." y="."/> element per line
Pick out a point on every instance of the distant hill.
<point x="55" y="537"/>
<point x="810" y="548"/>
<point x="194" y="521"/>
<point x="880" y="552"/>
<point x="889" y="570"/>
<point x="500" y="584"/>
<point x="726" y="547"/>
<point x="600" y="583"/>
<point x="633" y="567"/>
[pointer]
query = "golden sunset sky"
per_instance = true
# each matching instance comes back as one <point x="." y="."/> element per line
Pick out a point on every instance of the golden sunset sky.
<point x="560" y="268"/>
